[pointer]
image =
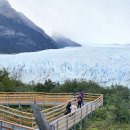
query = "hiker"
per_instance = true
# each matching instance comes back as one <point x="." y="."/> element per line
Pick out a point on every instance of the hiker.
<point x="74" y="93"/>
<point x="73" y="108"/>
<point x="79" y="100"/>
<point x="68" y="108"/>
<point x="82" y="95"/>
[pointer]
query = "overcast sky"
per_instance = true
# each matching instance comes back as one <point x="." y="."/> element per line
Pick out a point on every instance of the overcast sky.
<point x="86" y="21"/>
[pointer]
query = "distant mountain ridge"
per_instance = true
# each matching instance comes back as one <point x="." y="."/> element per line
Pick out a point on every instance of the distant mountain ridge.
<point x="9" y="12"/>
<point x="63" y="41"/>
<point x="19" y="34"/>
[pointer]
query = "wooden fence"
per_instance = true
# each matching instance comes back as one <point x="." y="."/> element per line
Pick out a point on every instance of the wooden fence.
<point x="70" y="120"/>
<point x="54" y="115"/>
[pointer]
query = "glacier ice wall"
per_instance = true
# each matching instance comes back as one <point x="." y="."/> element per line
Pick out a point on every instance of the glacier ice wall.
<point x="106" y="65"/>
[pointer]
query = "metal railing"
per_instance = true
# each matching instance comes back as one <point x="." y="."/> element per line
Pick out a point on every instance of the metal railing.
<point x="12" y="126"/>
<point x="55" y="115"/>
<point x="29" y="98"/>
<point x="19" y="117"/>
<point x="68" y="121"/>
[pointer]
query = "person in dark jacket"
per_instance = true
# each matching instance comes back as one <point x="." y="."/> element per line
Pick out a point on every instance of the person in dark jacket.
<point x="79" y="99"/>
<point x="68" y="108"/>
<point x="82" y="95"/>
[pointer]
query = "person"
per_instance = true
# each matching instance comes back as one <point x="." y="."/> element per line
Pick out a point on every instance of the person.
<point x="68" y="108"/>
<point x="73" y="108"/>
<point x="74" y="93"/>
<point x="82" y="95"/>
<point x="79" y="99"/>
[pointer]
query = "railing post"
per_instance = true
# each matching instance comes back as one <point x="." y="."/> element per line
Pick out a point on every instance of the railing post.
<point x="53" y="112"/>
<point x="0" y="125"/>
<point x="81" y="120"/>
<point x="86" y="111"/>
<point x="42" y="102"/>
<point x="91" y="109"/>
<point x="74" y="121"/>
<point x="95" y="104"/>
<point x="102" y="101"/>
<point x="13" y="127"/>
<point x="20" y="119"/>
<point x="4" y="98"/>
<point x="52" y="127"/>
<point x="26" y="99"/>
<point x="19" y="101"/>
<point x="7" y="101"/>
<point x="30" y="100"/>
<point x="57" y="125"/>
<point x="3" y="113"/>
<point x="66" y="122"/>
<point x="32" y="122"/>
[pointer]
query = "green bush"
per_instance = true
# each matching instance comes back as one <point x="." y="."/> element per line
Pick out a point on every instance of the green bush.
<point x="46" y="87"/>
<point x="10" y="84"/>
<point x="100" y="114"/>
<point x="122" y="112"/>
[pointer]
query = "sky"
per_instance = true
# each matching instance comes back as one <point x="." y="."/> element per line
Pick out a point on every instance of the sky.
<point x="85" y="21"/>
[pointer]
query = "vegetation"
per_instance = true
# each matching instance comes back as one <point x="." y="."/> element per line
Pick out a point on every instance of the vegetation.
<point x="11" y="84"/>
<point x="114" y="115"/>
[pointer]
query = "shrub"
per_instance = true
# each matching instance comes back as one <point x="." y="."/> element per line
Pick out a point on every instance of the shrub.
<point x="100" y="114"/>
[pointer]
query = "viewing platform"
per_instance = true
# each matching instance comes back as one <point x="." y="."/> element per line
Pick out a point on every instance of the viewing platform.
<point x="12" y="119"/>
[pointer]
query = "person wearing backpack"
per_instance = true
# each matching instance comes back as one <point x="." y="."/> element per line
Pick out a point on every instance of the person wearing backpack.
<point x="79" y="99"/>
<point x="68" y="108"/>
<point x="82" y="95"/>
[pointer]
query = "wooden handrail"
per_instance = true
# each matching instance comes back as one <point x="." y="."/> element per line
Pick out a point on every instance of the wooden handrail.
<point x="92" y="106"/>
<point x="54" y="114"/>
<point x="14" y="124"/>
<point x="21" y="112"/>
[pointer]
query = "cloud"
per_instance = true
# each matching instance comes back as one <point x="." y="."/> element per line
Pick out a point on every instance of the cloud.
<point x="88" y="21"/>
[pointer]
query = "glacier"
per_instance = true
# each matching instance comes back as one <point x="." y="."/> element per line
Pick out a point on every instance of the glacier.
<point x="104" y="64"/>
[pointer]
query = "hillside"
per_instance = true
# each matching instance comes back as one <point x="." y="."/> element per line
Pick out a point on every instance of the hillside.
<point x="64" y="42"/>
<point x="19" y="34"/>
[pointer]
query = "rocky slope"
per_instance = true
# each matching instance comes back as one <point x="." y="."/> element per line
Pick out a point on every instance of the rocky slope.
<point x="19" y="34"/>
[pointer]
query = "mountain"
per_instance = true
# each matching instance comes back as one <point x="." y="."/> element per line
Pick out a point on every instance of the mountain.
<point x="19" y="34"/>
<point x="105" y="65"/>
<point x="63" y="41"/>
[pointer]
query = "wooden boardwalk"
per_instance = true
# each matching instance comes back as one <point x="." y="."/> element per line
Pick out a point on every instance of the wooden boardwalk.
<point x="12" y="119"/>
